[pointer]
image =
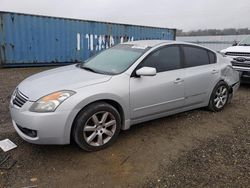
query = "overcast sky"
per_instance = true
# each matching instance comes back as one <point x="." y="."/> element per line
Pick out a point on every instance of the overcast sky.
<point x="181" y="14"/>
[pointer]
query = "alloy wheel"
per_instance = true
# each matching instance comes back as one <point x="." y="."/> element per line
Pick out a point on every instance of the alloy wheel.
<point x="99" y="128"/>
<point x="221" y="96"/>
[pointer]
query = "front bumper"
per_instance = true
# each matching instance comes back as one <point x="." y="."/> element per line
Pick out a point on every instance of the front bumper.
<point x="244" y="69"/>
<point x="241" y="68"/>
<point x="244" y="73"/>
<point x="50" y="128"/>
<point x="235" y="87"/>
<point x="245" y="77"/>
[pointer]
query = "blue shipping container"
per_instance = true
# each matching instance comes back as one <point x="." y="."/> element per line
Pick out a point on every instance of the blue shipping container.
<point x="30" y="40"/>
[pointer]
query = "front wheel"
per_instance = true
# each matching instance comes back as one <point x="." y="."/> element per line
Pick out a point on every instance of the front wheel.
<point x="97" y="126"/>
<point x="219" y="97"/>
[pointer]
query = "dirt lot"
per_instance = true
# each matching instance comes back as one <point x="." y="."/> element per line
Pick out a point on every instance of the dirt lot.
<point x="193" y="149"/>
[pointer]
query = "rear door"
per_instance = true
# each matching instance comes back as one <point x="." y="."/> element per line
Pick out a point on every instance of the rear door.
<point x="201" y="73"/>
<point x="163" y="92"/>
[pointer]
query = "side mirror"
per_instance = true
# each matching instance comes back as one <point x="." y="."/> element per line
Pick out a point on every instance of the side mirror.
<point x="146" y="71"/>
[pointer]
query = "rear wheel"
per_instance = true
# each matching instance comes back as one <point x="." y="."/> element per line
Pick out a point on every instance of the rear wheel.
<point x="219" y="97"/>
<point x="97" y="126"/>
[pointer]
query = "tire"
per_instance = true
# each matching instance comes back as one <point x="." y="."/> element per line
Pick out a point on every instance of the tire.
<point x="219" y="97"/>
<point x="97" y="126"/>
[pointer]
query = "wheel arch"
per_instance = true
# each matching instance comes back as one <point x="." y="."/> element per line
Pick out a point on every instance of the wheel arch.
<point x="228" y="84"/>
<point x="113" y="103"/>
<point x="117" y="105"/>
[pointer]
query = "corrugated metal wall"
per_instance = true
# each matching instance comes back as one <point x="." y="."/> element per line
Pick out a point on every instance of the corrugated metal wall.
<point x="32" y="40"/>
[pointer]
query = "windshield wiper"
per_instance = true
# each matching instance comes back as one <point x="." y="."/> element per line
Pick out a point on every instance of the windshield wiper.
<point x="81" y="65"/>
<point x="244" y="44"/>
<point x="88" y="68"/>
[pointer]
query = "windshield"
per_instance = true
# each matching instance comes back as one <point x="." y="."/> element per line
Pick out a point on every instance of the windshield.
<point x="245" y="42"/>
<point x="115" y="60"/>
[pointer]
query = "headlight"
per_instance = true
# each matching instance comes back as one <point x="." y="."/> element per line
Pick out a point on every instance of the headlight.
<point x="50" y="102"/>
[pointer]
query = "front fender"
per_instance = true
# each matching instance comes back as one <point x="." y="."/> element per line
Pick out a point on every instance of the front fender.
<point x="85" y="97"/>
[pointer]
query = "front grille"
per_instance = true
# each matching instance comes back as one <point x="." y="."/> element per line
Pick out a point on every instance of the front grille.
<point x="238" y="54"/>
<point x="236" y="63"/>
<point x="19" y="99"/>
<point x="246" y="73"/>
<point x="240" y="64"/>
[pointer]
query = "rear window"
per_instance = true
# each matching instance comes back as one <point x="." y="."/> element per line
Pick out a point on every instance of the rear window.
<point x="196" y="56"/>
<point x="212" y="57"/>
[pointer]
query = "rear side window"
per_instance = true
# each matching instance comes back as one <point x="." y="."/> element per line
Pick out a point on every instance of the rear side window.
<point x="195" y="56"/>
<point x="212" y="57"/>
<point x="164" y="59"/>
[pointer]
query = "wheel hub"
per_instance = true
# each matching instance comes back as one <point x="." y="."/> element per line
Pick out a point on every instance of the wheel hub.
<point x="99" y="128"/>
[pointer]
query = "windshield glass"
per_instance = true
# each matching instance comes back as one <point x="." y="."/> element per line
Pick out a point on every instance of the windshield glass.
<point x="115" y="60"/>
<point x="245" y="42"/>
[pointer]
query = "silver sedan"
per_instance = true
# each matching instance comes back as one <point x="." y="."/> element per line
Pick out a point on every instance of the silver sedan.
<point x="127" y="84"/>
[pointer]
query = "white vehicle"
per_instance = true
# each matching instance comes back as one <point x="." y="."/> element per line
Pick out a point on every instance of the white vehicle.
<point x="240" y="54"/>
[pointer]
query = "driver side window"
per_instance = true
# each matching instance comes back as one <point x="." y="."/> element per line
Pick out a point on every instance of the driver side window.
<point x="165" y="59"/>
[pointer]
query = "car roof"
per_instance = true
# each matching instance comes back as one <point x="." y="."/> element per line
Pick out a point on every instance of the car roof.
<point x="154" y="43"/>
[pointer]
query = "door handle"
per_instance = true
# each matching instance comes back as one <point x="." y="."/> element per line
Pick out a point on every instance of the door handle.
<point x="178" y="80"/>
<point x="215" y="71"/>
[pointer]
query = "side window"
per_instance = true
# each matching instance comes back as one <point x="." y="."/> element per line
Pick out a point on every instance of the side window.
<point x="212" y="57"/>
<point x="164" y="59"/>
<point x="195" y="56"/>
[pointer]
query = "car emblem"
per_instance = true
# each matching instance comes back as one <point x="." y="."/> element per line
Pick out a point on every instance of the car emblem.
<point x="240" y="59"/>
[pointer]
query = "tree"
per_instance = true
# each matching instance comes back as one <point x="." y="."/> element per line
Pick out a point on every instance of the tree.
<point x="213" y="32"/>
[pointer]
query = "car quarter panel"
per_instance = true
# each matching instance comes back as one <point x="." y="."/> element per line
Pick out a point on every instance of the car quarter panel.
<point x="228" y="73"/>
<point x="199" y="82"/>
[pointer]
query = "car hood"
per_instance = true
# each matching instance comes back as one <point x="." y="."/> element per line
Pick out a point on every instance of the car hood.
<point x="243" y="49"/>
<point x="64" y="78"/>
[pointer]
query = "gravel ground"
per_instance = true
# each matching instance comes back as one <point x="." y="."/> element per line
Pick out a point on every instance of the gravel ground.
<point x="193" y="149"/>
<point x="220" y="162"/>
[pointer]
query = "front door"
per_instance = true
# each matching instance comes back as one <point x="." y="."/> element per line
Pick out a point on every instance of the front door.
<point x="163" y="92"/>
